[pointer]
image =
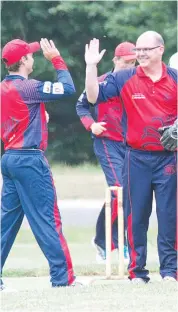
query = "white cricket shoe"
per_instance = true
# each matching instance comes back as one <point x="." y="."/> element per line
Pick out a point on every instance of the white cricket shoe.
<point x="169" y="278"/>
<point x="76" y="283"/>
<point x="126" y="255"/>
<point x="138" y="280"/>
<point x="100" y="253"/>
<point x="7" y="289"/>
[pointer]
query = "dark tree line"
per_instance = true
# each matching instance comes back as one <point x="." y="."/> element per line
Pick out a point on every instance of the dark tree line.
<point x="71" y="24"/>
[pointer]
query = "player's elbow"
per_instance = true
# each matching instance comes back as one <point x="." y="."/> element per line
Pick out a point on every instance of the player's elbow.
<point x="78" y="109"/>
<point x="92" y="95"/>
<point x="91" y="99"/>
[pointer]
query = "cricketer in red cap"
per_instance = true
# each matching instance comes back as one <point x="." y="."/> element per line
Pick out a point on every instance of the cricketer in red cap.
<point x="126" y="50"/>
<point x="15" y="49"/>
<point x="124" y="56"/>
<point x="106" y="126"/>
<point x="24" y="133"/>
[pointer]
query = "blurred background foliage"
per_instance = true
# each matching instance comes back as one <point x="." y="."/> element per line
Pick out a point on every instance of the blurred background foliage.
<point x="71" y="24"/>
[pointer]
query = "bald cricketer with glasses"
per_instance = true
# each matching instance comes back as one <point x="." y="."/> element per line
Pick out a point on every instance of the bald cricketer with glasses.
<point x="149" y="96"/>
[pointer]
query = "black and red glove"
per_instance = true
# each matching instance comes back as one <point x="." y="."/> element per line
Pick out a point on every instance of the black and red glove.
<point x="169" y="136"/>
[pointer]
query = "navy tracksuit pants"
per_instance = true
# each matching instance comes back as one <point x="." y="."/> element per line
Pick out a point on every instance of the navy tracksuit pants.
<point x="28" y="189"/>
<point x="110" y="155"/>
<point x="145" y="172"/>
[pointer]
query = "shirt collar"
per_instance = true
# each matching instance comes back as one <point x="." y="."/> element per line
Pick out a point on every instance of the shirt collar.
<point x="141" y="73"/>
<point x="13" y="77"/>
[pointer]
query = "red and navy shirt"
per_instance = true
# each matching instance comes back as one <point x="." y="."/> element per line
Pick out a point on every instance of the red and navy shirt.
<point x="112" y="114"/>
<point x="23" y="121"/>
<point x="148" y="105"/>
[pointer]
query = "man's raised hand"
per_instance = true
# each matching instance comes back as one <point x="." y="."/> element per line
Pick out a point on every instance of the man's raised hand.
<point x="49" y="49"/>
<point x="92" y="54"/>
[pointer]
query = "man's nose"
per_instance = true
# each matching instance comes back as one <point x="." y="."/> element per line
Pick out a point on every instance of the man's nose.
<point x="141" y="52"/>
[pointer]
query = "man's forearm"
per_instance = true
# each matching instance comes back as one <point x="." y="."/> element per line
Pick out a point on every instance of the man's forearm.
<point x="91" y="83"/>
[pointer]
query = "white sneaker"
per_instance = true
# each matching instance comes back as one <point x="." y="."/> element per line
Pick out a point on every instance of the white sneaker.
<point x="7" y="289"/>
<point x="137" y="280"/>
<point x="76" y="283"/>
<point x="100" y="253"/>
<point x="169" y="278"/>
<point x="2" y="287"/>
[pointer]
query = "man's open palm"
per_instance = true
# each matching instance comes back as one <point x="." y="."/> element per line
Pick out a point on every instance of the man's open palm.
<point x="49" y="49"/>
<point x="92" y="54"/>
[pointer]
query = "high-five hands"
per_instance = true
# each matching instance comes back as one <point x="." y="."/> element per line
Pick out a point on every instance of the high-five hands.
<point x="49" y="49"/>
<point x="92" y="54"/>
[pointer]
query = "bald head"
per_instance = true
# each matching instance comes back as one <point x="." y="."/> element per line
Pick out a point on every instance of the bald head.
<point x="151" y="36"/>
<point x="149" y="49"/>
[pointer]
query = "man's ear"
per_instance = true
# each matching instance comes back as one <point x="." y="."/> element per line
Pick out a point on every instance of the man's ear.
<point x="162" y="49"/>
<point x="114" y="60"/>
<point x="23" y="59"/>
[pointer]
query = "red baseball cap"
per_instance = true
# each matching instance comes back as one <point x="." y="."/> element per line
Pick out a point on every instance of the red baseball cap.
<point x="125" y="50"/>
<point x="15" y="49"/>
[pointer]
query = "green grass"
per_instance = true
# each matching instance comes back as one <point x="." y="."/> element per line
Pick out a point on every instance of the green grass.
<point x="96" y="298"/>
<point x="27" y="269"/>
<point x="86" y="181"/>
<point x="84" y="168"/>
<point x="26" y="258"/>
<point x="73" y="235"/>
<point x="35" y="294"/>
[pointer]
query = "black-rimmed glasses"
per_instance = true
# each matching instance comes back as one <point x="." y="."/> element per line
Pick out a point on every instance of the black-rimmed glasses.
<point x="144" y="49"/>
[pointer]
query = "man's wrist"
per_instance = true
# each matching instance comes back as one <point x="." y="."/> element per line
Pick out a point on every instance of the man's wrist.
<point x="92" y="125"/>
<point x="91" y="67"/>
<point x="59" y="63"/>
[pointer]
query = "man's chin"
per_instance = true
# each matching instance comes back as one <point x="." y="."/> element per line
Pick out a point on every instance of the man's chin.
<point x="143" y="63"/>
<point x="30" y="71"/>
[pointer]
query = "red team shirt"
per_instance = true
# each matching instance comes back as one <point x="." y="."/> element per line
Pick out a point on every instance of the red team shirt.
<point x="23" y="120"/>
<point x="111" y="113"/>
<point x="148" y="105"/>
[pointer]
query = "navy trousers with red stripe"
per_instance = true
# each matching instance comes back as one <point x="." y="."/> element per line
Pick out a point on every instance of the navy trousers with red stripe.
<point x="110" y="155"/>
<point x="28" y="189"/>
<point x="144" y="173"/>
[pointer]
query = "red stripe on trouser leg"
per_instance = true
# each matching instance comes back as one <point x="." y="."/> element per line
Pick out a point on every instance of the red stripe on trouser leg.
<point x="63" y="244"/>
<point x="114" y="216"/>
<point x="133" y="254"/>
<point x="117" y="183"/>
<point x="62" y="240"/>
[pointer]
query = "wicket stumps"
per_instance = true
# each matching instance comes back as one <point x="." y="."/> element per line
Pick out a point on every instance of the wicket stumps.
<point x="108" y="232"/>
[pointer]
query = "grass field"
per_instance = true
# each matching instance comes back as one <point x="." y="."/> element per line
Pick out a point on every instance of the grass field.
<point x="96" y="298"/>
<point x="88" y="181"/>
<point x="27" y="270"/>
<point x="35" y="294"/>
<point x="26" y="258"/>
